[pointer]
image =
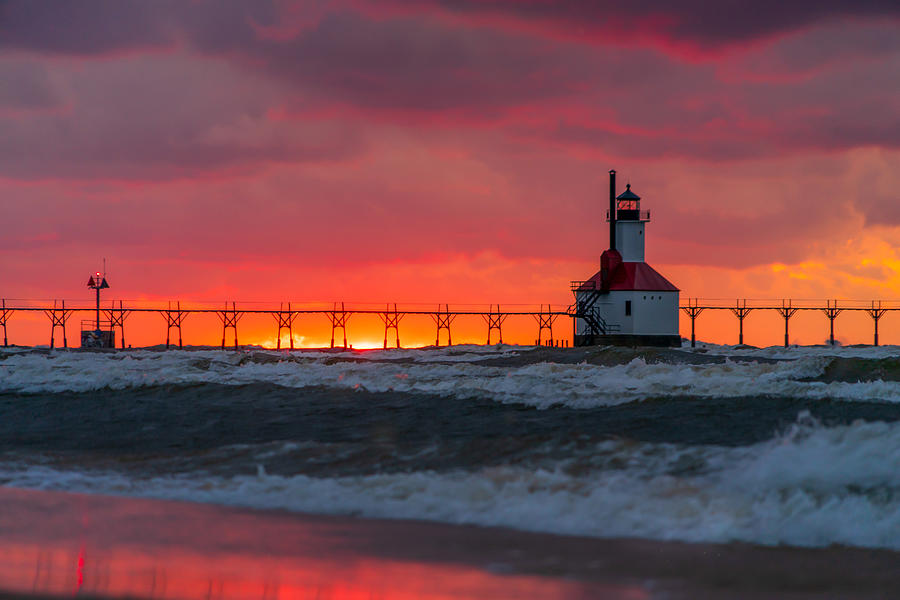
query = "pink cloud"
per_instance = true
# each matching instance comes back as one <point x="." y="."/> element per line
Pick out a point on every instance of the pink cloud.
<point x="236" y="134"/>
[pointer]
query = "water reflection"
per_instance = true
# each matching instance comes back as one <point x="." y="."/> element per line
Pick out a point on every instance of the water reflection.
<point x="66" y="545"/>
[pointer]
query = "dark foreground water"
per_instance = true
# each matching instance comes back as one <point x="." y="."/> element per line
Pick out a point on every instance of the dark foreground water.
<point x="798" y="446"/>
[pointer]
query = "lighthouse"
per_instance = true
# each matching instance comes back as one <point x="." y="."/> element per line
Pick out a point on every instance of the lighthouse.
<point x="627" y="301"/>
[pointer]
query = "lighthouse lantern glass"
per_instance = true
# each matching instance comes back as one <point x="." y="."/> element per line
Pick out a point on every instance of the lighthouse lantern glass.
<point x="628" y="205"/>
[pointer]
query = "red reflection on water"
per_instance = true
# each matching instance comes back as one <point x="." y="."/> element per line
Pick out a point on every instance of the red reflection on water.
<point x="145" y="549"/>
<point x="131" y="572"/>
<point x="80" y="581"/>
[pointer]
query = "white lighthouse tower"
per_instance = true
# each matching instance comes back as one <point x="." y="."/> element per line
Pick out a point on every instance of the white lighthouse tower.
<point x="627" y="301"/>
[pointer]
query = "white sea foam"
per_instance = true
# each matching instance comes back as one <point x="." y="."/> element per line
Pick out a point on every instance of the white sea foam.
<point x="792" y="352"/>
<point x="537" y="384"/>
<point x="813" y="486"/>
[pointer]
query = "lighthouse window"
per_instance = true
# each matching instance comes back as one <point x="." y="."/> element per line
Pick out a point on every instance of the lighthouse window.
<point x="628" y="308"/>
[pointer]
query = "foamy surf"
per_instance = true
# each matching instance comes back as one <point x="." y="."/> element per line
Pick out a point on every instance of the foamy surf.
<point x="787" y="446"/>
<point x="458" y="375"/>
<point x="812" y="486"/>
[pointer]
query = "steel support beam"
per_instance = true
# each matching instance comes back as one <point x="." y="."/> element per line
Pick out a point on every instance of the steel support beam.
<point x="285" y="320"/>
<point x="876" y="312"/>
<point x="443" y="321"/>
<point x="741" y="311"/>
<point x="693" y="311"/>
<point x="116" y="317"/>
<point x="5" y="314"/>
<point x="391" y="320"/>
<point x="494" y="321"/>
<point x="58" y="316"/>
<point x="230" y="318"/>
<point x="545" y="322"/>
<point x="174" y="318"/>
<point x="831" y="311"/>
<point x="339" y="318"/>
<point x="786" y="311"/>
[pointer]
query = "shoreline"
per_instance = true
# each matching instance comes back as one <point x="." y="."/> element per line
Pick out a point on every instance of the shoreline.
<point x="53" y="544"/>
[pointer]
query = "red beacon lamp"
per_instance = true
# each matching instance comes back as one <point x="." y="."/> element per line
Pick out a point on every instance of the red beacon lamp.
<point x="93" y="335"/>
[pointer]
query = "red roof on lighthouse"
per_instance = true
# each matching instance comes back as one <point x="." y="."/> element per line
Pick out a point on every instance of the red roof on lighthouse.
<point x="632" y="276"/>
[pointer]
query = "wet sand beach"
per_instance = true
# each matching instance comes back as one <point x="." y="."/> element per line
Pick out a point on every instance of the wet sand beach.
<point x="56" y="544"/>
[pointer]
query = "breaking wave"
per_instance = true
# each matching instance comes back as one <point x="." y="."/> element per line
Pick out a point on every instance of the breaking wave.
<point x="464" y="375"/>
<point x="811" y="486"/>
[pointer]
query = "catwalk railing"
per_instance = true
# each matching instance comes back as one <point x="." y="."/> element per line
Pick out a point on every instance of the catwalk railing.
<point x="285" y="315"/>
<point x="787" y="308"/>
<point x="338" y="314"/>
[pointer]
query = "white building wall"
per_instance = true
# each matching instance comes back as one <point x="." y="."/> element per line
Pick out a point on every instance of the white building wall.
<point x="652" y="313"/>
<point x="630" y="240"/>
<point x="655" y="313"/>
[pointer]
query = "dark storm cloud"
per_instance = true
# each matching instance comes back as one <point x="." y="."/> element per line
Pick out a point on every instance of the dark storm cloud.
<point x="91" y="27"/>
<point x="692" y="22"/>
<point x="174" y="88"/>
<point x="97" y="27"/>
<point x="88" y="27"/>
<point x="406" y="65"/>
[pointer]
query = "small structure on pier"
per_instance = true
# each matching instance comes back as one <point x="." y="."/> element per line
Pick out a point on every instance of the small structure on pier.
<point x="627" y="301"/>
<point x="96" y="333"/>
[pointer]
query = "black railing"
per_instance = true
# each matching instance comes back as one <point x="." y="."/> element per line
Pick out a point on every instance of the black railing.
<point x="91" y="325"/>
<point x="583" y="286"/>
<point x="630" y="215"/>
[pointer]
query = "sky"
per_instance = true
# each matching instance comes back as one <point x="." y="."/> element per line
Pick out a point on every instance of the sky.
<point x="451" y="151"/>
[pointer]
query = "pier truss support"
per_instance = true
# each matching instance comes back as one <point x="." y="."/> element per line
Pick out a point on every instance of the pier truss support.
<point x="832" y="311"/>
<point x="391" y="320"/>
<point x="876" y="312"/>
<point x="174" y="318"/>
<point x="545" y="322"/>
<point x="693" y="310"/>
<point x="741" y="311"/>
<point x="58" y="316"/>
<point x="339" y="318"/>
<point x="494" y="320"/>
<point x="443" y="321"/>
<point x="230" y="318"/>
<point x="116" y="317"/>
<point x="5" y="314"/>
<point x="786" y="311"/>
<point x="285" y="320"/>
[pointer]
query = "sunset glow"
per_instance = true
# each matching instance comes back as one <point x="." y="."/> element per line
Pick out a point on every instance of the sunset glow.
<point x="450" y="151"/>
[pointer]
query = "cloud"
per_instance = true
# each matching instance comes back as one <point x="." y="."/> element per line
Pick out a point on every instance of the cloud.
<point x="822" y="88"/>
<point x="260" y="132"/>
<point x="694" y="25"/>
<point x="161" y="117"/>
<point x="26" y="87"/>
<point x="92" y="27"/>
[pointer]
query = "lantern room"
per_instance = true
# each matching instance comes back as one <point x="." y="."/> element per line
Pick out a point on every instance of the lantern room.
<point x="629" y="226"/>
<point x="628" y="206"/>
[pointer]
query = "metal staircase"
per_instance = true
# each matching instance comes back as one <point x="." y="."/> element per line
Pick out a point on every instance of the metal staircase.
<point x="586" y="309"/>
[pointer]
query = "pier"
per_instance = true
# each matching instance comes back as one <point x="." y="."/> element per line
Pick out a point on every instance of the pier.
<point x="787" y="308"/>
<point x="285" y="315"/>
<point x="112" y="317"/>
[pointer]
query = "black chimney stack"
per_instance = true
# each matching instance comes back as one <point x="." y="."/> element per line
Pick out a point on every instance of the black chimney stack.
<point x="612" y="210"/>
